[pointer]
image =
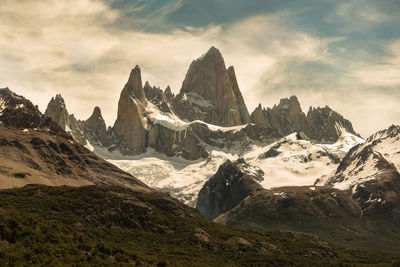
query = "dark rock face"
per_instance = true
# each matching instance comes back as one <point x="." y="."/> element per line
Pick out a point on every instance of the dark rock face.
<point x="320" y="124"/>
<point x="259" y="117"/>
<point x="353" y="215"/>
<point x="152" y="93"/>
<point x="208" y="94"/>
<point x="233" y="182"/>
<point x="290" y="110"/>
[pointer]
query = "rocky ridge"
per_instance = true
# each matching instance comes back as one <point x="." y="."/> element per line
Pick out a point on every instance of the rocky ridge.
<point x="208" y="114"/>
<point x="35" y="149"/>
<point x="319" y="124"/>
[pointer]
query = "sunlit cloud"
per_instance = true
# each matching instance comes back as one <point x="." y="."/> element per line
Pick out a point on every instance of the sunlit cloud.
<point x="385" y="72"/>
<point x="85" y="50"/>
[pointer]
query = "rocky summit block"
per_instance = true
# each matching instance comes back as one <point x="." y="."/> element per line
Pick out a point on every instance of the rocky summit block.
<point x="210" y="92"/>
<point x="57" y="111"/>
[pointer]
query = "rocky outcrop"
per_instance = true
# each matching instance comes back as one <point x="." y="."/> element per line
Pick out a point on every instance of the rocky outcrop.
<point x="156" y="96"/>
<point x="152" y="92"/>
<point x="19" y="113"/>
<point x="134" y="85"/>
<point x="233" y="182"/>
<point x="320" y="124"/>
<point x="168" y="93"/>
<point x="258" y="116"/>
<point x="364" y="207"/>
<point x="207" y="93"/>
<point x="131" y="122"/>
<point x="289" y="112"/>
<point x="311" y="210"/>
<point x="287" y="117"/>
<point x="325" y="124"/>
<point x="57" y="111"/>
<point x="95" y="128"/>
<point x="77" y="130"/>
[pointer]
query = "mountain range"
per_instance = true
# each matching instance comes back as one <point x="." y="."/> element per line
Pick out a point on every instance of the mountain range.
<point x="272" y="169"/>
<point x="208" y="113"/>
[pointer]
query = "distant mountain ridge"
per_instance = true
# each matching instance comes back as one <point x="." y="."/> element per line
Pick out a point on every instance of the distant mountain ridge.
<point x="319" y="124"/>
<point x="208" y="113"/>
<point x="66" y="205"/>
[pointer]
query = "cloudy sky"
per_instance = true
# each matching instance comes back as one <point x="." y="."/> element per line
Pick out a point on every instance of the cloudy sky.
<point x="344" y="54"/>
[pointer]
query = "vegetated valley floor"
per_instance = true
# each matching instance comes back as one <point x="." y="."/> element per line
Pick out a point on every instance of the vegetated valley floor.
<point x="110" y="225"/>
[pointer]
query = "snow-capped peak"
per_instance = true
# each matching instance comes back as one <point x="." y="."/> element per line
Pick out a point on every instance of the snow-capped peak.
<point x="293" y="161"/>
<point x="367" y="161"/>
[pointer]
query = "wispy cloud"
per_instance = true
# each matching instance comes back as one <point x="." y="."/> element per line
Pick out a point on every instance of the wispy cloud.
<point x="79" y="54"/>
<point x="385" y="72"/>
<point x="85" y="50"/>
<point x="359" y="15"/>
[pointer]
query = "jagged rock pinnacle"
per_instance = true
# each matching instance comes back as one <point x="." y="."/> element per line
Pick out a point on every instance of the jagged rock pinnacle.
<point x="95" y="126"/>
<point x="220" y="102"/>
<point x="134" y="85"/>
<point x="57" y="111"/>
<point x="130" y="123"/>
<point x="96" y="111"/>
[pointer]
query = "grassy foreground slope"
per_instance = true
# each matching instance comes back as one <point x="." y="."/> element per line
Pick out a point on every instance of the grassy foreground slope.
<point x="110" y="225"/>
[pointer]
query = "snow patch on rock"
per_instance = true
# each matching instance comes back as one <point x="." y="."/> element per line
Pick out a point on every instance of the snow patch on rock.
<point x="197" y="100"/>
